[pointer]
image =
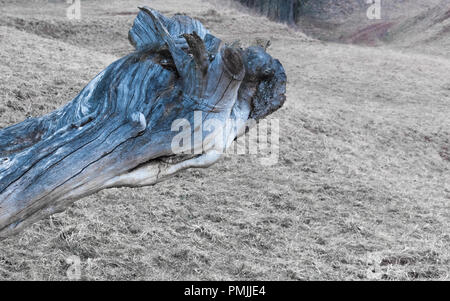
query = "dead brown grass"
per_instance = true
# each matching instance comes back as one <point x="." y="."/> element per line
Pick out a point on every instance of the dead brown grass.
<point x="361" y="190"/>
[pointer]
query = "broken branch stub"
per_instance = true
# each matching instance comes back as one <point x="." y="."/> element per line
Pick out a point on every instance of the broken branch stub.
<point x="118" y="131"/>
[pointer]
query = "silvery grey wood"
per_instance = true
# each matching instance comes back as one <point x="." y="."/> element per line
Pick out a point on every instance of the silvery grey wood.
<point x="118" y="131"/>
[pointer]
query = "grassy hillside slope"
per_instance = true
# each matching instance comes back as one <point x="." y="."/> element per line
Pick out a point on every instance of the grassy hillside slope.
<point x="361" y="189"/>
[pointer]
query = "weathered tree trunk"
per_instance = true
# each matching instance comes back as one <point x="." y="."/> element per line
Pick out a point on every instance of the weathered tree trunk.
<point x="119" y="130"/>
<point x="286" y="11"/>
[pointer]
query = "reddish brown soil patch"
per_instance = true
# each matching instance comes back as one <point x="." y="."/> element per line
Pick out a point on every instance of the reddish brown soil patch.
<point x="445" y="153"/>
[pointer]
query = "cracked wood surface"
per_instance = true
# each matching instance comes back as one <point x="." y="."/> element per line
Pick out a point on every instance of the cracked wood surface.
<point x="118" y="131"/>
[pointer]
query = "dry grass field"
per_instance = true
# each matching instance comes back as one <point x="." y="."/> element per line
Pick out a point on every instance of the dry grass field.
<point x="361" y="190"/>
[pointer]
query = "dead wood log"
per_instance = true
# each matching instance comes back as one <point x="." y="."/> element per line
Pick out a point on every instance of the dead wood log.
<point x="119" y="130"/>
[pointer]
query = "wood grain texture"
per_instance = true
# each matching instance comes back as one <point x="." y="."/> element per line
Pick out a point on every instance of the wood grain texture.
<point x="118" y="131"/>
